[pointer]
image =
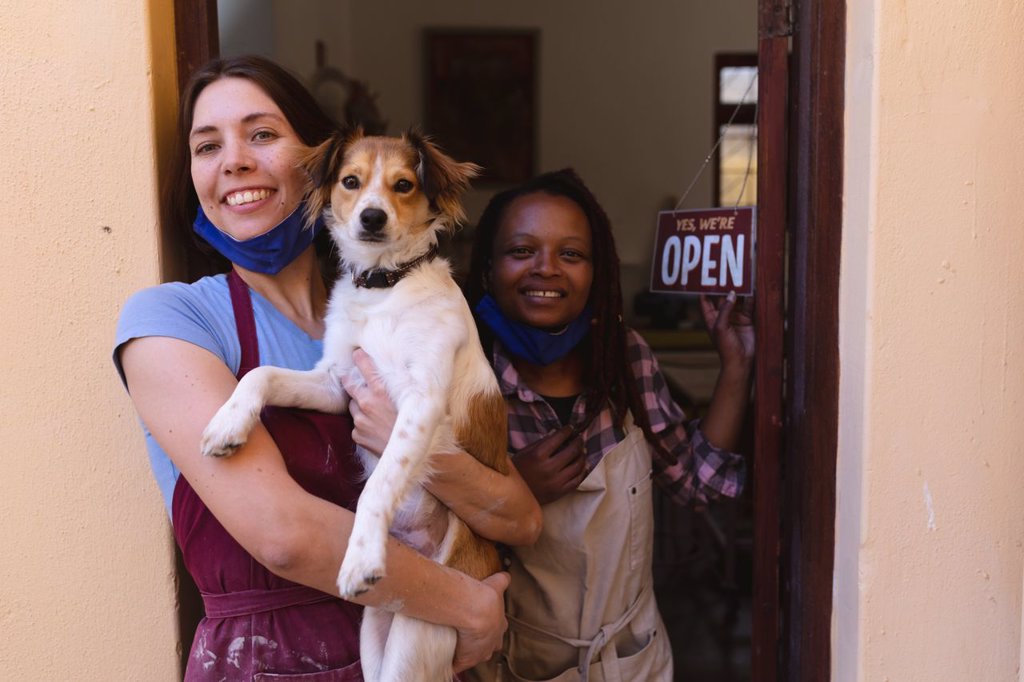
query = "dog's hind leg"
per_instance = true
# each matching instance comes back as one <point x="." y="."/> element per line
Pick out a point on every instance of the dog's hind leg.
<point x="418" y="650"/>
<point x="318" y="389"/>
<point x="373" y="636"/>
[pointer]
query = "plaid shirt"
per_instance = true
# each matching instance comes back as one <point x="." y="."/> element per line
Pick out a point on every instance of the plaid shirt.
<point x="698" y="470"/>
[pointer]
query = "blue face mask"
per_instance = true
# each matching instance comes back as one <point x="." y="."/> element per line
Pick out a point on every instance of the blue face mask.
<point x="534" y="345"/>
<point x="269" y="252"/>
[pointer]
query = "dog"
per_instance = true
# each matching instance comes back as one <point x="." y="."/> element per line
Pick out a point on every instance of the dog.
<point x="386" y="201"/>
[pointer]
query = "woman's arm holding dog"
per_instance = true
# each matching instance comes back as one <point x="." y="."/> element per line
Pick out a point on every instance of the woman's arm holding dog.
<point x="496" y="506"/>
<point x="176" y="388"/>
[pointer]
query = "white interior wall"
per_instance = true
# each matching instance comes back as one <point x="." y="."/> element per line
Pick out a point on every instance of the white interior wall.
<point x="246" y="27"/>
<point x="624" y="92"/>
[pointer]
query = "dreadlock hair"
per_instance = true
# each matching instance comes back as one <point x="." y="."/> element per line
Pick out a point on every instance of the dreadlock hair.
<point x="607" y="372"/>
<point x="179" y="202"/>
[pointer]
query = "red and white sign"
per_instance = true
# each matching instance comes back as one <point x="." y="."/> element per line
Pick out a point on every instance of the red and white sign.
<point x="705" y="251"/>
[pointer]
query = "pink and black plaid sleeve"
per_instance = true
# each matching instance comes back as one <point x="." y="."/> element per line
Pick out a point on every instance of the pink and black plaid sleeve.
<point x="697" y="470"/>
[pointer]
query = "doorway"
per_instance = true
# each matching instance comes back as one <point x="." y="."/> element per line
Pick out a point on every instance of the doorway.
<point x="787" y="600"/>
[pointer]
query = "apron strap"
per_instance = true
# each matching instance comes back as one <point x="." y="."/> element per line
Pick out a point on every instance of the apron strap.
<point x="245" y="322"/>
<point x="601" y="643"/>
<point x="249" y="602"/>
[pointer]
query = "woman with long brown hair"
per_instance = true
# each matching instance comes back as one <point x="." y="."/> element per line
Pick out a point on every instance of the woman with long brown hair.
<point x="263" y="533"/>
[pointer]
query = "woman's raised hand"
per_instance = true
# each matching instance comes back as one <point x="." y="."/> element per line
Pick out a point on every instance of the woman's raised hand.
<point x="731" y="327"/>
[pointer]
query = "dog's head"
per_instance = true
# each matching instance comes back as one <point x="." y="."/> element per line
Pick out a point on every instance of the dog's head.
<point x="385" y="199"/>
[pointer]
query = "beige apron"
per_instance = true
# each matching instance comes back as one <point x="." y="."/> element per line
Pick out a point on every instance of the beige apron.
<point x="581" y="605"/>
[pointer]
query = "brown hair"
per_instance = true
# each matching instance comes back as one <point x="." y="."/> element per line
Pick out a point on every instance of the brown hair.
<point x="179" y="201"/>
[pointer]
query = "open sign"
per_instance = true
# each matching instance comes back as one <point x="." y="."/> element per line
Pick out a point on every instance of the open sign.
<point x="704" y="251"/>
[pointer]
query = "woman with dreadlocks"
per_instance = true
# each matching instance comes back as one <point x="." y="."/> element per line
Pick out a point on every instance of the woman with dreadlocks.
<point x="590" y="423"/>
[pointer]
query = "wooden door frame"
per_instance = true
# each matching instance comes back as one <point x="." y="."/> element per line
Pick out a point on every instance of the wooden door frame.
<point x="797" y="392"/>
<point x="801" y="54"/>
<point x="774" y="29"/>
<point x="812" y="341"/>
<point x="196" y="34"/>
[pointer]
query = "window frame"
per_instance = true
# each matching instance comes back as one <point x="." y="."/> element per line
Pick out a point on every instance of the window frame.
<point x="745" y="114"/>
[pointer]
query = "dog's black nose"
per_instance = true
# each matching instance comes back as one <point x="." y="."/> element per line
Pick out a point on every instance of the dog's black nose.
<point x="373" y="219"/>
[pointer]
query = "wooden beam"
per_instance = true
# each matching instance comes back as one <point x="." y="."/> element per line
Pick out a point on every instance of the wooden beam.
<point x="812" y="400"/>
<point x="772" y="162"/>
<point x="195" y="30"/>
<point x="196" y="36"/>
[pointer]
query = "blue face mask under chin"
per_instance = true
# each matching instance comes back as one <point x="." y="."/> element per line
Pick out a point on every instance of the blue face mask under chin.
<point x="267" y="253"/>
<point x="536" y="346"/>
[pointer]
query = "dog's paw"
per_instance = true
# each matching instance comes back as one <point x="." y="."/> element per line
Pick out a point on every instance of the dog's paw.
<point x="211" y="448"/>
<point x="359" y="572"/>
<point x="225" y="433"/>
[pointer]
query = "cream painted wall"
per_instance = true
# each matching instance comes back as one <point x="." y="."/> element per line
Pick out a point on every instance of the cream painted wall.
<point x="86" y="571"/>
<point x="930" y="524"/>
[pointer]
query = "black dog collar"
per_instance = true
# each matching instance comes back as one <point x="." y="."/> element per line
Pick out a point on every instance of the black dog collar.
<point x="385" y="279"/>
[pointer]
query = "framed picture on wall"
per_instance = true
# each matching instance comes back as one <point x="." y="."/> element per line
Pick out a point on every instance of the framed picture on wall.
<point x="480" y="98"/>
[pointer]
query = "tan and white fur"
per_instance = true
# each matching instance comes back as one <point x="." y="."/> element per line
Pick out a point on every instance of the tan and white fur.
<point x="385" y="201"/>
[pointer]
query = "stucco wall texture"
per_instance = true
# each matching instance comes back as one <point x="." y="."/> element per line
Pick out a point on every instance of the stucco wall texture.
<point x="929" y="528"/>
<point x="86" y="567"/>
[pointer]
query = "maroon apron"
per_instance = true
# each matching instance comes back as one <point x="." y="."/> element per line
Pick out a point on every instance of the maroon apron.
<point x="259" y="626"/>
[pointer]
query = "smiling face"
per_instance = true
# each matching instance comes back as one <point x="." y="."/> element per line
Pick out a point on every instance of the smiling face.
<point x="541" y="265"/>
<point x="244" y="158"/>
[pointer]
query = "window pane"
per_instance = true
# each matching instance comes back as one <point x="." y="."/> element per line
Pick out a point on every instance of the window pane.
<point x="738" y="166"/>
<point x="734" y="81"/>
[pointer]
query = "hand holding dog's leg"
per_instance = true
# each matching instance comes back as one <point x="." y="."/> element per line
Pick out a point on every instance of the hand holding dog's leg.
<point x="479" y="642"/>
<point x="373" y="413"/>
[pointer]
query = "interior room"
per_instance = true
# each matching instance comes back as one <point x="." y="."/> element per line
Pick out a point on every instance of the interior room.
<point x="652" y="103"/>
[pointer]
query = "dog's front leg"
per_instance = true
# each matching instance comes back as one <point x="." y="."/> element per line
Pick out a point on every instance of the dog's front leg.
<point x="402" y="464"/>
<point x="318" y="389"/>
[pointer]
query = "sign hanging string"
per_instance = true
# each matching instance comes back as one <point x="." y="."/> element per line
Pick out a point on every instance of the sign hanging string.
<point x="746" y="174"/>
<point x="718" y="142"/>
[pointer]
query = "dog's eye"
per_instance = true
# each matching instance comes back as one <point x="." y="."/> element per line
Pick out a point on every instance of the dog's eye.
<point x="403" y="186"/>
<point x="350" y="182"/>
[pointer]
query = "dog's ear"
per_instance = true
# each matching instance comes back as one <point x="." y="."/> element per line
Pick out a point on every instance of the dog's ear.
<point x="443" y="179"/>
<point x="322" y="164"/>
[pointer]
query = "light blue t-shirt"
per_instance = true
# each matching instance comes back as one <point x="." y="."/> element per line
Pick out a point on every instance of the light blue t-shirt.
<point x="201" y="313"/>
